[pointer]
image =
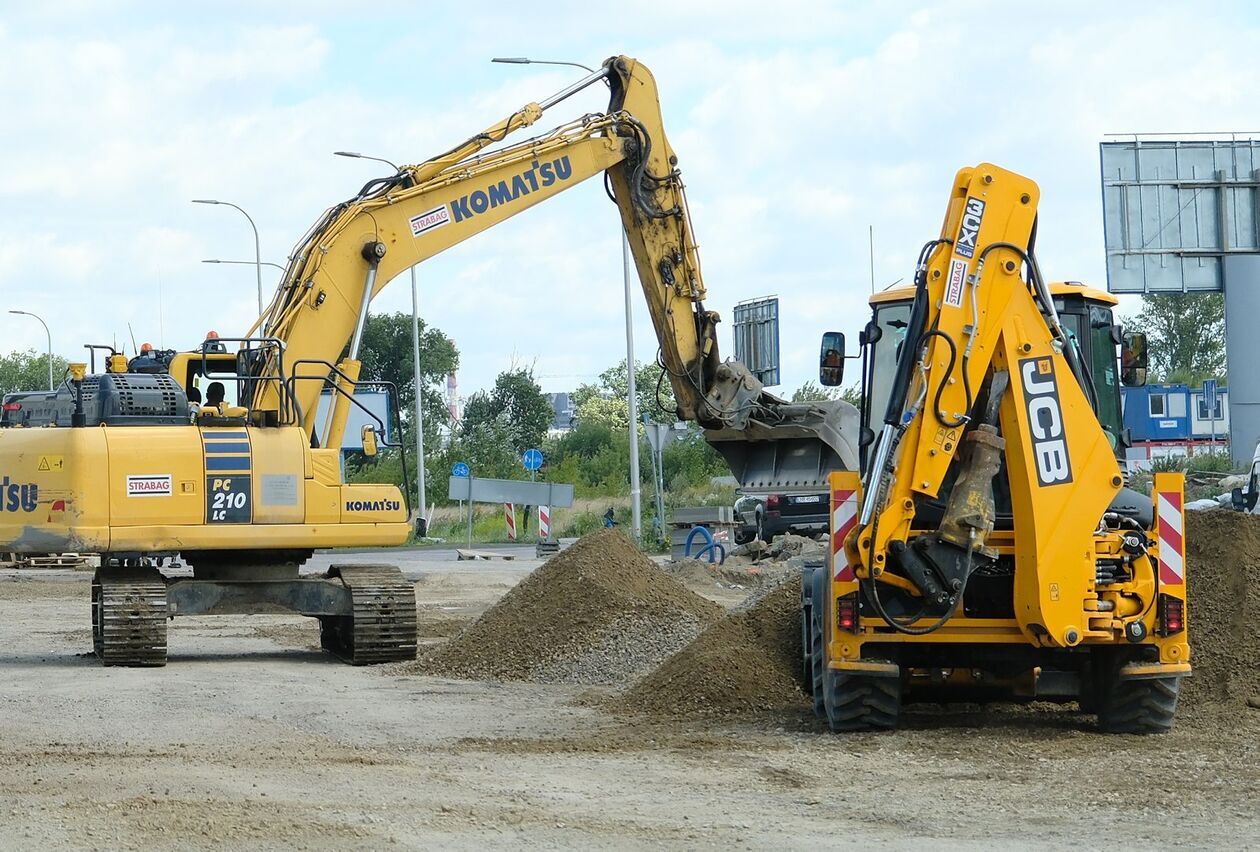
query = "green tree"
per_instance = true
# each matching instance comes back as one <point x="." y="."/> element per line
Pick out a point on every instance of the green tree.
<point x="811" y="391"/>
<point x="518" y="407"/>
<point x="648" y="379"/>
<point x="28" y="371"/>
<point x="1185" y="336"/>
<point x="387" y="353"/>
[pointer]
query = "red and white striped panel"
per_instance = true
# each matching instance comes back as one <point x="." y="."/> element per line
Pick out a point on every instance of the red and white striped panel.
<point x="544" y="522"/>
<point x="1172" y="544"/>
<point x="509" y="515"/>
<point x="844" y="512"/>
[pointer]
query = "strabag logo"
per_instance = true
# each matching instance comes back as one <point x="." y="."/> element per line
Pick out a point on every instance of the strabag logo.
<point x="498" y="194"/>
<point x="973" y="213"/>
<point x="428" y="220"/>
<point x="149" y="486"/>
<point x="1045" y="421"/>
<point x="954" y="287"/>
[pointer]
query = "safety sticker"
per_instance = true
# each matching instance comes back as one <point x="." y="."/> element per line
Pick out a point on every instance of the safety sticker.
<point x="158" y="485"/>
<point x="954" y="287"/>
<point x="427" y="221"/>
<point x="49" y="464"/>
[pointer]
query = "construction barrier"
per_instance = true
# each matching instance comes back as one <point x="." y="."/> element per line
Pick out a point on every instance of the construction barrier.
<point x="544" y="522"/>
<point x="509" y="515"/>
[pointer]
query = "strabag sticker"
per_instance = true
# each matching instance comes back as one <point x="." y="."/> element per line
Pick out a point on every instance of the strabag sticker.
<point x="149" y="486"/>
<point x="954" y="287"/>
<point x="430" y="219"/>
<point x="969" y="230"/>
<point x="1045" y="421"/>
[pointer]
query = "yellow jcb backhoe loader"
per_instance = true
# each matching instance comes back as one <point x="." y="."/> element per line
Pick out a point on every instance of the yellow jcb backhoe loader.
<point x="989" y="547"/>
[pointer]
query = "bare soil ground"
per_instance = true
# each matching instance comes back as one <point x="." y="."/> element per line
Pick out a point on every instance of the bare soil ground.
<point x="251" y="738"/>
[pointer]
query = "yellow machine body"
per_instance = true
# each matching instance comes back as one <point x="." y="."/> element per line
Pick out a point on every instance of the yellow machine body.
<point x="1080" y="592"/>
<point x="151" y="489"/>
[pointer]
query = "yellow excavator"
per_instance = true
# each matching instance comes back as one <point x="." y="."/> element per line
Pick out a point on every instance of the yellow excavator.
<point x="245" y="487"/>
<point x="990" y="546"/>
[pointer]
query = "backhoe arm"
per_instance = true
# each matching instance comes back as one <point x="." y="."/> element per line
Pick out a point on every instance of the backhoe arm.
<point x="984" y="347"/>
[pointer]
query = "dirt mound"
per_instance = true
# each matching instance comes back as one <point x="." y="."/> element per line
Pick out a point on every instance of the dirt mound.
<point x="748" y="661"/>
<point x="599" y="612"/>
<point x="1223" y="568"/>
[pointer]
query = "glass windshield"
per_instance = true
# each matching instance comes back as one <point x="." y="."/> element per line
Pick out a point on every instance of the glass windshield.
<point x="1102" y="364"/>
<point x="892" y="320"/>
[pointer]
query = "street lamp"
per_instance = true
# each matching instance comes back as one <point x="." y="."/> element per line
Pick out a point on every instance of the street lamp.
<point x="521" y="60"/>
<point x="246" y="263"/>
<point x="415" y="356"/>
<point x="636" y="512"/>
<point x="47" y="332"/>
<point x="257" y="249"/>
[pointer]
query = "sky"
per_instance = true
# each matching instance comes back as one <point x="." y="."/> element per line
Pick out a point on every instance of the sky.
<point x="798" y="125"/>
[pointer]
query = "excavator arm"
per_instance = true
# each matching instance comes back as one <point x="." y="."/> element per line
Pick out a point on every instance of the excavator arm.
<point x="357" y="247"/>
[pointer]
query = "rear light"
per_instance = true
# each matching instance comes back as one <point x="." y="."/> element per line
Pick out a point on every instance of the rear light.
<point x="847" y="613"/>
<point x="1172" y="615"/>
<point x="13" y="406"/>
<point x="772" y="502"/>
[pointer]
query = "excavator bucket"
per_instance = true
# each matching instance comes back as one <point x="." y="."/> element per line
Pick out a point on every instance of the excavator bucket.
<point x="804" y="442"/>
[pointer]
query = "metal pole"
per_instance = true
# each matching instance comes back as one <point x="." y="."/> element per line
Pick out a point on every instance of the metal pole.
<point x="49" y="335"/>
<point x="636" y="516"/>
<point x="470" y="509"/>
<point x="257" y="246"/>
<point x="415" y="355"/>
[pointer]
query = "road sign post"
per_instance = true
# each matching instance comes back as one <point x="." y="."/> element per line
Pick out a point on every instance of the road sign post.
<point x="532" y="459"/>
<point x="463" y="471"/>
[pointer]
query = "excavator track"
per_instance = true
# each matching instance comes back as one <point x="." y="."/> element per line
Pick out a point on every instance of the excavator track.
<point x="382" y="628"/>
<point x="129" y="616"/>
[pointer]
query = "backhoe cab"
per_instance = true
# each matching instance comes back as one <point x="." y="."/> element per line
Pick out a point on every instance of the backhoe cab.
<point x="989" y="547"/>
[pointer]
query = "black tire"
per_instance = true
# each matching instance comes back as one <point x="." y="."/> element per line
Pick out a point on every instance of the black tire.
<point x="1137" y="706"/>
<point x="857" y="702"/>
<point x="818" y="659"/>
<point x="807" y="630"/>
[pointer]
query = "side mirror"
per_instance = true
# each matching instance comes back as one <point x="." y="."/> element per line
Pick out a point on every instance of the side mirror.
<point x="1133" y="359"/>
<point x="369" y="441"/>
<point x="831" y="359"/>
<point x="1237" y="499"/>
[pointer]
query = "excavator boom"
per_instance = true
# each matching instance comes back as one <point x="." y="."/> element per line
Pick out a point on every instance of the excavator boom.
<point x="395" y="222"/>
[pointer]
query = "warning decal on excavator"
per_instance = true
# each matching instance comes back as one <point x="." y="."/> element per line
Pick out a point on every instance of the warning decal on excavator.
<point x="843" y="518"/>
<point x="1045" y="421"/>
<point x="52" y="463"/>
<point x="1172" y="563"/>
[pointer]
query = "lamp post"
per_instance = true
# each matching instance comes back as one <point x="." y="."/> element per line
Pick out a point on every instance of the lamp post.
<point x="415" y="358"/>
<point x="49" y="334"/>
<point x="257" y="249"/>
<point x="246" y="263"/>
<point x="636" y="511"/>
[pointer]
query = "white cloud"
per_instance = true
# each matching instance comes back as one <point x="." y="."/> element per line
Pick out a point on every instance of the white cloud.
<point x="798" y="125"/>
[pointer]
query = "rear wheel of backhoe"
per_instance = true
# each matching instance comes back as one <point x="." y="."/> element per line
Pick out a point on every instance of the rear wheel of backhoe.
<point x="1141" y="706"/>
<point x="858" y="702"/>
<point x="817" y="640"/>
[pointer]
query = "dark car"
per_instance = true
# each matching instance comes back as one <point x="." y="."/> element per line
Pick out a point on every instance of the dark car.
<point x="765" y="516"/>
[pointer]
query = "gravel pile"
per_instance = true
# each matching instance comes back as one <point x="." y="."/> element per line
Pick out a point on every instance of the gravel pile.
<point x="1223" y="570"/>
<point x="599" y="612"/>
<point x="746" y="662"/>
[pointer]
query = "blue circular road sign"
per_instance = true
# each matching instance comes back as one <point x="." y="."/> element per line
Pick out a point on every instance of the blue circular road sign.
<point x="532" y="459"/>
<point x="460" y="469"/>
